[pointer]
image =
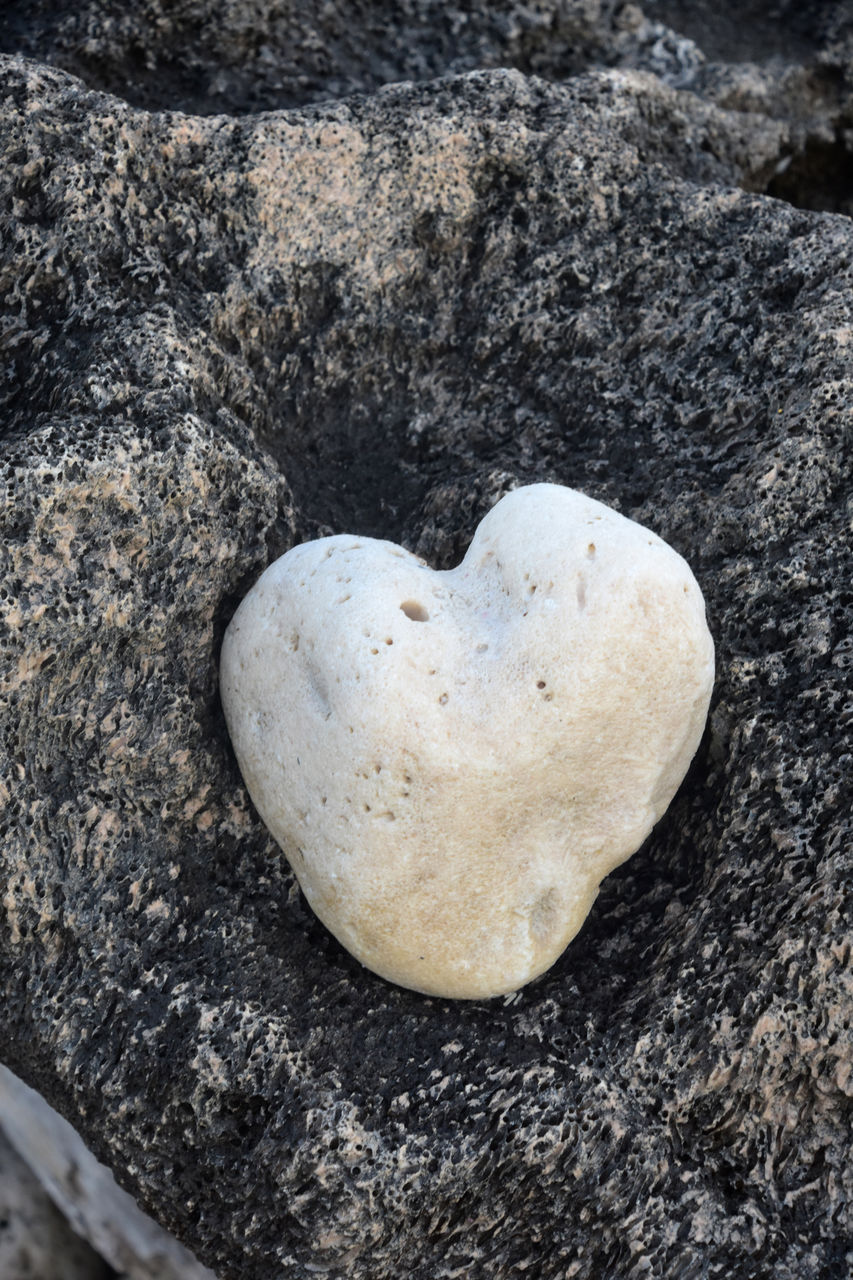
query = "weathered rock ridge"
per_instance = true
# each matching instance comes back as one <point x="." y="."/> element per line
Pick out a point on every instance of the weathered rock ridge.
<point x="221" y="335"/>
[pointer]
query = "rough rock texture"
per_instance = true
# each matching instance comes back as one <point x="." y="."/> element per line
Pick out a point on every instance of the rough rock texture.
<point x="36" y="1242"/>
<point x="214" y="55"/>
<point x="87" y="1198"/>
<point x="254" y="55"/>
<point x="221" y="334"/>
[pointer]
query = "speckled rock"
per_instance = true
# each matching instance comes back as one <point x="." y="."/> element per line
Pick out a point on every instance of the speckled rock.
<point x="221" y="335"/>
<point x="208" y="56"/>
<point x="239" y="55"/>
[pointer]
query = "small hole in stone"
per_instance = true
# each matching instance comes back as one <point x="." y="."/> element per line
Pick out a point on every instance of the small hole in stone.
<point x="531" y="588"/>
<point x="388" y="640"/>
<point x="540" y="684"/>
<point x="590" y="551"/>
<point x="443" y="699"/>
<point x="374" y="650"/>
<point x="415" y="611"/>
<point x="481" y="648"/>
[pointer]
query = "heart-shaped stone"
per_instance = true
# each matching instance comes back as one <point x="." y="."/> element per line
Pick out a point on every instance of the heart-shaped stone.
<point x="452" y="761"/>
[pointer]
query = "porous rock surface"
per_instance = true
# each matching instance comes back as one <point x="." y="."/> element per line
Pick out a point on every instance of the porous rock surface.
<point x="222" y="335"/>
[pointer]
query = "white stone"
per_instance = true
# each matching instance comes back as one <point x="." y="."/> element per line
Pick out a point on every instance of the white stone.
<point x="89" y="1200"/>
<point x="36" y="1243"/>
<point x="452" y="761"/>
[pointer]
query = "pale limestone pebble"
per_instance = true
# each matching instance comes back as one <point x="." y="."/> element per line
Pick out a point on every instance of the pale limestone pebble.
<point x="452" y="761"/>
<point x="36" y="1242"/>
<point x="96" y="1218"/>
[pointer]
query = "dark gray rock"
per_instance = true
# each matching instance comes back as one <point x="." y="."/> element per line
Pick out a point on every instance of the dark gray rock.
<point x="220" y="335"/>
<point x="239" y="55"/>
<point x="252" y="55"/>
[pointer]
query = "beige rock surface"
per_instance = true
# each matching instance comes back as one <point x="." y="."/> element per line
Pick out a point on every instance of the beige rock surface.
<point x="452" y="761"/>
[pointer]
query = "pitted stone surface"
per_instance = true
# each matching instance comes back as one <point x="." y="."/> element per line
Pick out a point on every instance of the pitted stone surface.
<point x="208" y="325"/>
